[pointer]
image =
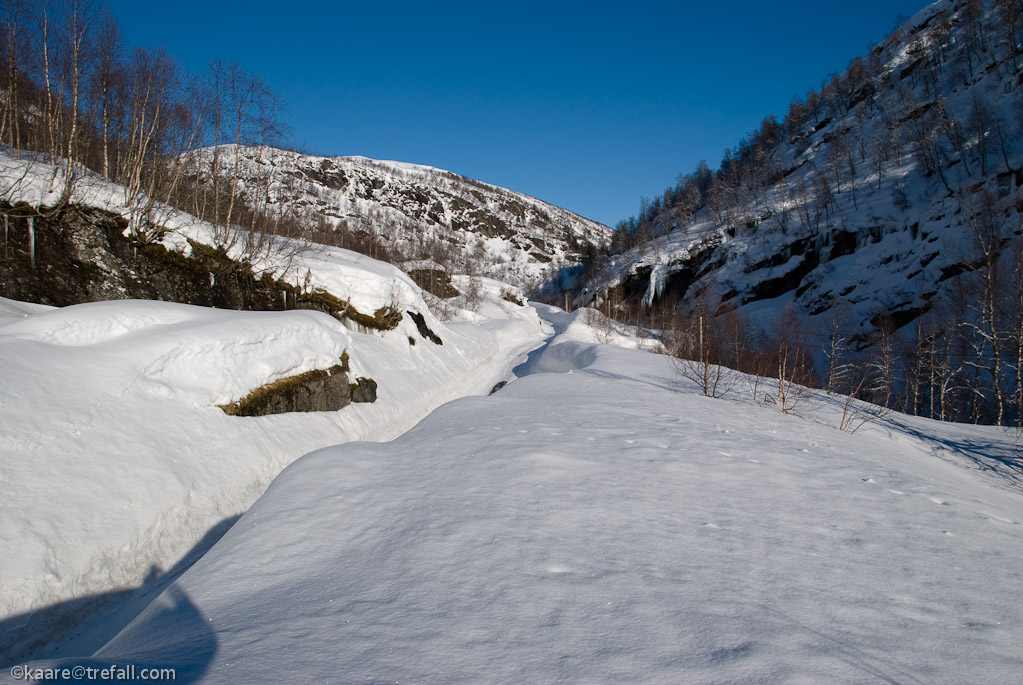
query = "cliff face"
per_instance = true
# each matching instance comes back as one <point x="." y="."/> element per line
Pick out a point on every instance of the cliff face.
<point x="882" y="195"/>
<point x="80" y="254"/>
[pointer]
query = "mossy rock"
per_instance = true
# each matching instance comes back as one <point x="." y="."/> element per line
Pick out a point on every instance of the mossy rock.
<point x="364" y="390"/>
<point x="317" y="390"/>
<point x="383" y="319"/>
<point x="82" y="255"/>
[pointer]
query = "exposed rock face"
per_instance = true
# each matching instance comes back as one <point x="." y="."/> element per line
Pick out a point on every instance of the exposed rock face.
<point x="425" y="330"/>
<point x="364" y="390"/>
<point x="80" y="255"/>
<point x="319" y="390"/>
<point x="873" y="202"/>
<point x="435" y="281"/>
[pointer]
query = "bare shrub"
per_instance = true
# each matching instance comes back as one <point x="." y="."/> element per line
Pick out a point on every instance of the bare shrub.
<point x="793" y="366"/>
<point x="602" y="326"/>
<point x="474" y="294"/>
<point x="697" y="348"/>
<point x="855" y="412"/>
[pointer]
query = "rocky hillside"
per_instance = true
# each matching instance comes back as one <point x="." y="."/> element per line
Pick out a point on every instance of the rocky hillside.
<point x="894" y="191"/>
<point x="418" y="212"/>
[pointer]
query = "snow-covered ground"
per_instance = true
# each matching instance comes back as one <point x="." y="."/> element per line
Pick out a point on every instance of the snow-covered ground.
<point x="597" y="521"/>
<point x="116" y="460"/>
<point x="115" y="463"/>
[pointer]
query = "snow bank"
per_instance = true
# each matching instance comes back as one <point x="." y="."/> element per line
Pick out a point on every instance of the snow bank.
<point x="203" y="356"/>
<point x="110" y="432"/>
<point x="116" y="461"/>
<point x="113" y="457"/>
<point x="599" y="526"/>
<point x="12" y="309"/>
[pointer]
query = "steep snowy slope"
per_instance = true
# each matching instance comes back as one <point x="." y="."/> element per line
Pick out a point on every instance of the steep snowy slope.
<point x="646" y="534"/>
<point x="873" y="196"/>
<point x="419" y="211"/>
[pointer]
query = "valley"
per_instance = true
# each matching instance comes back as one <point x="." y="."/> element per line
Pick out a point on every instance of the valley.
<point x="268" y="415"/>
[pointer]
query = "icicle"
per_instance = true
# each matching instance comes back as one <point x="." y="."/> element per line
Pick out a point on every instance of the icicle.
<point x="658" y="278"/>
<point x="284" y="296"/>
<point x="6" y="229"/>
<point x="32" y="239"/>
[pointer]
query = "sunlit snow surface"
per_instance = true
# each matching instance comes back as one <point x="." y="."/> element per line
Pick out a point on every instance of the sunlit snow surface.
<point x="115" y="463"/>
<point x="602" y="523"/>
<point x="115" y="460"/>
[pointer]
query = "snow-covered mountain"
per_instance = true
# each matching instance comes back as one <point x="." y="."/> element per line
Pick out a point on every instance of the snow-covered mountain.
<point x="419" y="212"/>
<point x="872" y="196"/>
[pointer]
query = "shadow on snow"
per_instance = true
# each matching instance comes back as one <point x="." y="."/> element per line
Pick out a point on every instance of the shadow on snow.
<point x="65" y="634"/>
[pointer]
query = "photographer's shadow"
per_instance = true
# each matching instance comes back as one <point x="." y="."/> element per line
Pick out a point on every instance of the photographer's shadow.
<point x="155" y="625"/>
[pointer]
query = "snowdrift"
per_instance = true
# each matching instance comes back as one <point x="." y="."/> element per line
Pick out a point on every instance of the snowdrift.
<point x="607" y="524"/>
<point x="116" y="460"/>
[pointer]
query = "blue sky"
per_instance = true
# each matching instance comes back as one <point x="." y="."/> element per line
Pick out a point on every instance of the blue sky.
<point x="588" y="105"/>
